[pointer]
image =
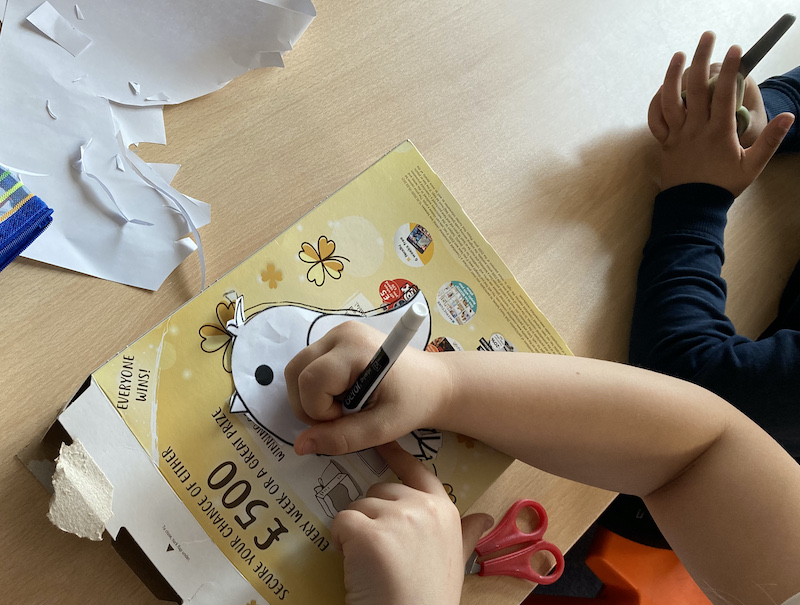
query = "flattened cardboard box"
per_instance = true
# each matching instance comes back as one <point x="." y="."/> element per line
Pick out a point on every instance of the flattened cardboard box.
<point x="190" y="424"/>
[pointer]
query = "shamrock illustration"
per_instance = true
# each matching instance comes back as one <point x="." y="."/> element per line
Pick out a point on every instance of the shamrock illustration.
<point x="322" y="260"/>
<point x="216" y="336"/>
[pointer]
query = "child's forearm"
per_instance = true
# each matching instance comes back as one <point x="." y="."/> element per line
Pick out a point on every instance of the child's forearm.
<point x="679" y="326"/>
<point x="597" y="422"/>
<point x="679" y="288"/>
<point x="724" y="494"/>
<point x="782" y="93"/>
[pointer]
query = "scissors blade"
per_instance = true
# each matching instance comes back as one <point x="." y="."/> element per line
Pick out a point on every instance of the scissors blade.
<point x="753" y="56"/>
<point x="472" y="565"/>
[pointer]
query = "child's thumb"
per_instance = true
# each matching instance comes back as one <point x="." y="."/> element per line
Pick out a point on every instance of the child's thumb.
<point x="365" y="429"/>
<point x="768" y="142"/>
<point x="472" y="528"/>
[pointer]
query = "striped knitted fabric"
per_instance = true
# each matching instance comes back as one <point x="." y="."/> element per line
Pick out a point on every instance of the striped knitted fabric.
<point x="23" y="217"/>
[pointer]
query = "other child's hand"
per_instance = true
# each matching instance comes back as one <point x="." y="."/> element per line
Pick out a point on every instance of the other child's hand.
<point x="698" y="137"/>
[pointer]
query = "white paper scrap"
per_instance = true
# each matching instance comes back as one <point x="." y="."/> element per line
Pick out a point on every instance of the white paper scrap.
<point x="50" y="110"/>
<point x="166" y="171"/>
<point x="120" y="163"/>
<point x="79" y="13"/>
<point x="19" y="171"/>
<point x="81" y="165"/>
<point x="159" y="96"/>
<point x="48" y="21"/>
<point x="82" y="498"/>
<point x="154" y="179"/>
<point x="135" y="87"/>
<point x="139" y="124"/>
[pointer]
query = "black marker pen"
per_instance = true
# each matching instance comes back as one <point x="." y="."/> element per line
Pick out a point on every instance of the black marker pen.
<point x="356" y="396"/>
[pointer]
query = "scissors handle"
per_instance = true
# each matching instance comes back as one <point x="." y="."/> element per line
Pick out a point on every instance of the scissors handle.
<point x="518" y="564"/>
<point x="507" y="533"/>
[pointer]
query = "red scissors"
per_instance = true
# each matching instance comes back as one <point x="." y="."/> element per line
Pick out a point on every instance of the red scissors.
<point x="516" y="563"/>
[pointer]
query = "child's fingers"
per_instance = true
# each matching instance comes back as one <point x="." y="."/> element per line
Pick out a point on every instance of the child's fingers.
<point x="327" y="368"/>
<point x="697" y="92"/>
<point x="347" y="525"/>
<point x="387" y="491"/>
<point x="295" y="368"/>
<point x="368" y="428"/>
<point x="321" y="381"/>
<point x="714" y="69"/>
<point x="671" y="102"/>
<point x="752" y="94"/>
<point x="472" y="528"/>
<point x="409" y="470"/>
<point x="655" y="118"/>
<point x="723" y="104"/>
<point x="373" y="508"/>
<point x="767" y="143"/>
<point x="758" y="114"/>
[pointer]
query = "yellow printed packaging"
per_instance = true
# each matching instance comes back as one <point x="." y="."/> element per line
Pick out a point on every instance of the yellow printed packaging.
<point x="234" y="515"/>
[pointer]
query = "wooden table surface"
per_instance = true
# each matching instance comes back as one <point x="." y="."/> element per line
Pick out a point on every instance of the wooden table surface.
<point x="534" y="115"/>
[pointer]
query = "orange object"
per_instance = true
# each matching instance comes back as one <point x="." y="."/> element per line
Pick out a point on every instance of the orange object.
<point x="632" y="574"/>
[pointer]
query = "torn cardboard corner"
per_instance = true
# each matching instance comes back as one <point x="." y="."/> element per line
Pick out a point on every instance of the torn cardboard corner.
<point x="81" y="503"/>
<point x="150" y="527"/>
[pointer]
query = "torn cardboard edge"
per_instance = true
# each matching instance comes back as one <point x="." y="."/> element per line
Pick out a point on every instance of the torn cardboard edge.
<point x="151" y="529"/>
<point x="82" y="494"/>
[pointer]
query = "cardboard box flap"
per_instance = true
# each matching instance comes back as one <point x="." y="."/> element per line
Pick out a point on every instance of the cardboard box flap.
<point x="150" y="522"/>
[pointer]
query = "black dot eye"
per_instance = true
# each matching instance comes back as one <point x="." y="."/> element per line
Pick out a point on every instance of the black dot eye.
<point x="264" y="375"/>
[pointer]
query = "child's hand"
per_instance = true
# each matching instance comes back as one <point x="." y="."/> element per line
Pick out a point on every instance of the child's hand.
<point x="698" y="138"/>
<point x="752" y="101"/>
<point x="755" y="105"/>
<point x="404" y="543"/>
<point x="408" y="398"/>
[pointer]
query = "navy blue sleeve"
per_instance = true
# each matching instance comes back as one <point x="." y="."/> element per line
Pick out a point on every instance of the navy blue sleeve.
<point x="782" y="93"/>
<point x="679" y="323"/>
